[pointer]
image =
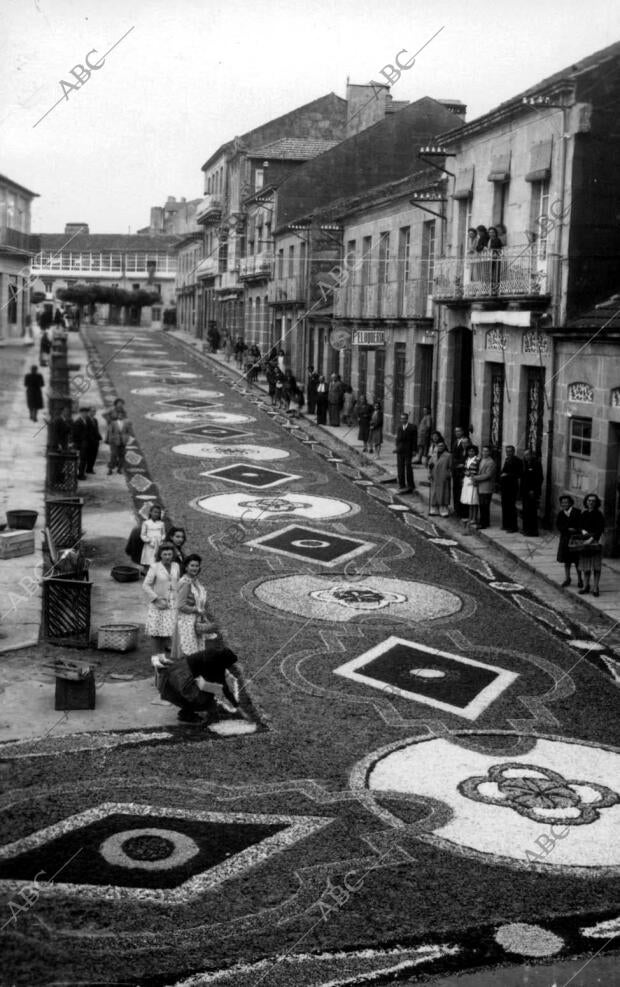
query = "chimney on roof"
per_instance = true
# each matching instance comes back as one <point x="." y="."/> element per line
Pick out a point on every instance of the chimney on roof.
<point x="71" y="228"/>
<point x="170" y="198"/>
<point x="366" y="105"/>
<point x="455" y="106"/>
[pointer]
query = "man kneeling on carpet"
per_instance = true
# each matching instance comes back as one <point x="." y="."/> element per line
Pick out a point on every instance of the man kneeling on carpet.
<point x="202" y="682"/>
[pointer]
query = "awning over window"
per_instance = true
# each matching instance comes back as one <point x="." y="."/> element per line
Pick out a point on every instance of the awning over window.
<point x="500" y="167"/>
<point x="540" y="162"/>
<point x="464" y="184"/>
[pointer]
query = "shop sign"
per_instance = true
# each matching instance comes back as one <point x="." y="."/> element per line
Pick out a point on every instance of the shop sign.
<point x="368" y="337"/>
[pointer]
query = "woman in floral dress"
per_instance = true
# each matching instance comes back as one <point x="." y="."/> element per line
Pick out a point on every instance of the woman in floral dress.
<point x="192" y="605"/>
<point x="161" y="586"/>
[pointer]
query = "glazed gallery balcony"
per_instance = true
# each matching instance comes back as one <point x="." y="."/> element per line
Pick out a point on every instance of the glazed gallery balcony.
<point x="513" y="273"/>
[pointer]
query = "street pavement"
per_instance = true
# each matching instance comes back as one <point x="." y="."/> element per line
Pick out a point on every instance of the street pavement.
<point x="424" y="783"/>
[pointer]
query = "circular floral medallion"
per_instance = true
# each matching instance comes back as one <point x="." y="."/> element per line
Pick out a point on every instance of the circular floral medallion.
<point x="207" y="450"/>
<point x="266" y="508"/>
<point x="148" y="849"/>
<point x="556" y="807"/>
<point x="323" y="598"/>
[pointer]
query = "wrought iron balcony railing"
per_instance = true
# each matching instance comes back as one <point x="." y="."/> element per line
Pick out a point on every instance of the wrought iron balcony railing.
<point x="516" y="272"/>
<point x="209" y="209"/>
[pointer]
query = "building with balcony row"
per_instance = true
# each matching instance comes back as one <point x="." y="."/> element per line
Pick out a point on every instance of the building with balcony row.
<point x="238" y="210"/>
<point x="16" y="249"/>
<point x="342" y="250"/>
<point x="131" y="262"/>
<point x="542" y="169"/>
<point x="362" y="260"/>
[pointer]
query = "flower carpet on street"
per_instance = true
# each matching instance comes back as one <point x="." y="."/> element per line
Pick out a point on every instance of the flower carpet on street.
<point x="430" y="778"/>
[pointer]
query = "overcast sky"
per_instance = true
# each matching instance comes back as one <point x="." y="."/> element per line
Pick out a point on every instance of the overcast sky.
<point x="191" y="74"/>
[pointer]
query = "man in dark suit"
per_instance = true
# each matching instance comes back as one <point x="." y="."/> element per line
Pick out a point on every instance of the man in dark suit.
<point x="79" y="437"/>
<point x="335" y="399"/>
<point x="459" y="455"/>
<point x="311" y="386"/>
<point x="93" y="438"/>
<point x="406" y="445"/>
<point x="509" y="485"/>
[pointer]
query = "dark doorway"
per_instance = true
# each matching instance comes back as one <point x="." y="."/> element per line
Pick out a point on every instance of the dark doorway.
<point x="400" y="360"/>
<point x="379" y="394"/>
<point x="424" y="374"/>
<point x="362" y="372"/>
<point x="461" y="352"/>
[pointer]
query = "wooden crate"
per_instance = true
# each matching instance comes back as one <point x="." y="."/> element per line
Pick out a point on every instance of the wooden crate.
<point x="66" y="611"/>
<point x="63" y="520"/>
<point x="14" y="544"/>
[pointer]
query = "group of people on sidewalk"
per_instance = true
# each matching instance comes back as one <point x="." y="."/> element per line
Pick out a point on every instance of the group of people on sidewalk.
<point x="467" y="477"/>
<point x="193" y="665"/>
<point x="81" y="433"/>
<point x="462" y="477"/>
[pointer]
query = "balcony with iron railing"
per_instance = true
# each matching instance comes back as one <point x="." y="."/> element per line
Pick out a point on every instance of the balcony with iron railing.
<point x="513" y="273"/>
<point x="210" y="209"/>
<point x="18" y="241"/>
<point x="256" y="268"/>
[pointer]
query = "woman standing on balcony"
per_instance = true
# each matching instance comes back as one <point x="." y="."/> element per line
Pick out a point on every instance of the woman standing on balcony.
<point x="495" y="245"/>
<point x="482" y="239"/>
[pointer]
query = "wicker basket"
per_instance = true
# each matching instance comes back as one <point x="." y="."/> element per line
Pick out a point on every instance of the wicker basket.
<point x="125" y="573"/>
<point x="117" y="637"/>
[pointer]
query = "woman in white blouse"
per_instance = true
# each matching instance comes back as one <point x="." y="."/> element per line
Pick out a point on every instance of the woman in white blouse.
<point x="152" y="533"/>
<point x="161" y="586"/>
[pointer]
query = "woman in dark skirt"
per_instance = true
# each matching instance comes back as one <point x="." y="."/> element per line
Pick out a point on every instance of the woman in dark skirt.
<point x="568" y="523"/>
<point x="364" y="414"/>
<point x="34" y="383"/>
<point x="592" y="527"/>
